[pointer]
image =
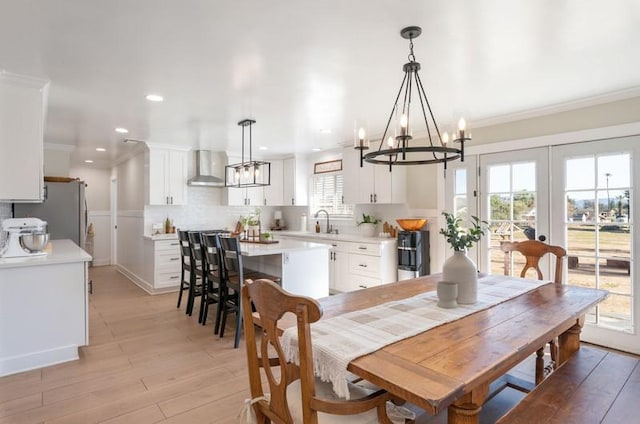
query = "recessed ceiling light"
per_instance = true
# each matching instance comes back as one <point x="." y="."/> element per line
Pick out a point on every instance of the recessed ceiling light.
<point x="88" y="161"/>
<point x="154" y="97"/>
<point x="316" y="149"/>
<point x="100" y="149"/>
<point x="264" y="148"/>
<point x="325" y="130"/>
<point x="122" y="130"/>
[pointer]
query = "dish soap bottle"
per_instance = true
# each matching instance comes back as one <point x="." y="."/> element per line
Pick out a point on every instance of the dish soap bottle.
<point x="317" y="226"/>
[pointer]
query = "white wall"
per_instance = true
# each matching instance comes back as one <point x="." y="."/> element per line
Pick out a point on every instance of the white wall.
<point x="98" y="198"/>
<point x="57" y="162"/>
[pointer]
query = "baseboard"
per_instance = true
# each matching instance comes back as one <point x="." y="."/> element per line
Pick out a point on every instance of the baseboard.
<point x="30" y="361"/>
<point x="143" y="284"/>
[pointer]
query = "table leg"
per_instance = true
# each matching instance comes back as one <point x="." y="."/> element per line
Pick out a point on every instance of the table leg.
<point x="466" y="410"/>
<point x="569" y="341"/>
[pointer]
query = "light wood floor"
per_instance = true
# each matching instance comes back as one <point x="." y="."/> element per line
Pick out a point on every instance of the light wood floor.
<point x="147" y="362"/>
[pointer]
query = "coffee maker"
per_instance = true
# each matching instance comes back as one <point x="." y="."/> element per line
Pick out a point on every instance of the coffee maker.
<point x="25" y="237"/>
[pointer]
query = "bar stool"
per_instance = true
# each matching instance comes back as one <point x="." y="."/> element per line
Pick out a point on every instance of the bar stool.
<point x="185" y="257"/>
<point x="196" y="275"/>
<point x="234" y="275"/>
<point x="212" y="277"/>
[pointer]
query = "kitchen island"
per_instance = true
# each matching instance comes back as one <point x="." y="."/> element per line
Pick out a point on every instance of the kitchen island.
<point x="43" y="308"/>
<point x="302" y="266"/>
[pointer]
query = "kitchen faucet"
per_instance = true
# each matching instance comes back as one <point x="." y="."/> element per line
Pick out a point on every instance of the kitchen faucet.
<point x="328" y="226"/>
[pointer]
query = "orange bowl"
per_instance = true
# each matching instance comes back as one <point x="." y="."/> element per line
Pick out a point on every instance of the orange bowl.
<point x="413" y="224"/>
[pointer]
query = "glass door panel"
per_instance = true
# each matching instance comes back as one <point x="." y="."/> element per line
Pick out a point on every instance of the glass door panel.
<point x="596" y="190"/>
<point x="514" y="189"/>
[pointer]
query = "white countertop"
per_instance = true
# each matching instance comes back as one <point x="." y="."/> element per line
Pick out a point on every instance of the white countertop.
<point x="60" y="252"/>
<point x="170" y="236"/>
<point x="339" y="237"/>
<point x="283" y="246"/>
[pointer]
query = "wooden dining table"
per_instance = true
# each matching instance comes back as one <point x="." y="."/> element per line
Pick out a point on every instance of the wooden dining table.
<point x="451" y="366"/>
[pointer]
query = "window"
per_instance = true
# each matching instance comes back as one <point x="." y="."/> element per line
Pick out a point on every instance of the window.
<point x="326" y="193"/>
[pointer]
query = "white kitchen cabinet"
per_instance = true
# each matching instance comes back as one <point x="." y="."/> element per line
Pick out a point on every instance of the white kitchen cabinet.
<point x="355" y="262"/>
<point x="338" y="264"/>
<point x="22" y="117"/>
<point x="249" y="196"/>
<point x="372" y="183"/>
<point x="166" y="263"/>
<point x="296" y="180"/>
<point x="45" y="308"/>
<point x="167" y="174"/>
<point x="273" y="194"/>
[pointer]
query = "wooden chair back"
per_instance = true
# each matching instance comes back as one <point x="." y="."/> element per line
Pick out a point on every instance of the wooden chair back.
<point x="533" y="251"/>
<point x="271" y="302"/>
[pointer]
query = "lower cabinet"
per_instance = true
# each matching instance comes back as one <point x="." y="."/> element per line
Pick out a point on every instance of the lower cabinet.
<point x="355" y="265"/>
<point x="166" y="263"/>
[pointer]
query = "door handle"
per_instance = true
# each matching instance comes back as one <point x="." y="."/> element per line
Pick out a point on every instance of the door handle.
<point x="172" y="200"/>
<point x="293" y="203"/>
<point x="375" y="198"/>
<point x="167" y="200"/>
<point x="370" y="198"/>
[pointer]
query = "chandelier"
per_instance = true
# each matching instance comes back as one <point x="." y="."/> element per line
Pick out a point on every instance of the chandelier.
<point x="251" y="173"/>
<point x="397" y="149"/>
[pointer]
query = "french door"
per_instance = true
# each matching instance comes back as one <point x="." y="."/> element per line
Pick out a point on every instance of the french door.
<point x="514" y="200"/>
<point x="581" y="196"/>
<point x="595" y="219"/>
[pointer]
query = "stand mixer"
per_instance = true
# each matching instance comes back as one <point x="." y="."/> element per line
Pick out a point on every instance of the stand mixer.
<point x="26" y="237"/>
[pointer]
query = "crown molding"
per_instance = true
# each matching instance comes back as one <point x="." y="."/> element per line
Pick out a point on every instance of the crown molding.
<point x="568" y="106"/>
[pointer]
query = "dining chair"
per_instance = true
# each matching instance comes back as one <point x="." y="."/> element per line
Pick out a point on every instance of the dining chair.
<point x="196" y="276"/>
<point x="185" y="266"/>
<point x="212" y="271"/>
<point x="296" y="396"/>
<point x="533" y="251"/>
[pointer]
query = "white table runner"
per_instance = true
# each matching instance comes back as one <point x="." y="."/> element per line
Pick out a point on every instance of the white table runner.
<point x="339" y="340"/>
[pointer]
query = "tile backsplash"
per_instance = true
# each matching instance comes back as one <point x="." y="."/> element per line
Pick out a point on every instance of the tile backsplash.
<point x="204" y="211"/>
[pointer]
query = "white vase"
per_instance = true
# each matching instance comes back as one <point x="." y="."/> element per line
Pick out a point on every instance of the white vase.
<point x="460" y="269"/>
<point x="367" y="229"/>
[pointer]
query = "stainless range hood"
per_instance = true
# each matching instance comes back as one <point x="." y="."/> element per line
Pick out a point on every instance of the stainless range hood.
<point x="209" y="169"/>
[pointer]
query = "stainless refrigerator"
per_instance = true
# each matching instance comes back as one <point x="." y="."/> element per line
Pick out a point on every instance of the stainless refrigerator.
<point x="64" y="209"/>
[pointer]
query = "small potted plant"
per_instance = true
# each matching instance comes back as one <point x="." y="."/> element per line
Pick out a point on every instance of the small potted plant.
<point x="368" y="225"/>
<point x="459" y="268"/>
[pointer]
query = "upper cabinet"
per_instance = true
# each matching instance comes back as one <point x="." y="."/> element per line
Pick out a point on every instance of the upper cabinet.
<point x="167" y="175"/>
<point x="372" y="183"/>
<point x="274" y="192"/>
<point x="296" y="179"/>
<point x="22" y="117"/>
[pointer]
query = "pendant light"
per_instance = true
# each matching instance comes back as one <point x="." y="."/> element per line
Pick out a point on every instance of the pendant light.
<point x="250" y="173"/>
<point x="398" y="149"/>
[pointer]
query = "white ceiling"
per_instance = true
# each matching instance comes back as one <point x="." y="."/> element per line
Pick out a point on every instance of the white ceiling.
<point x="301" y="66"/>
